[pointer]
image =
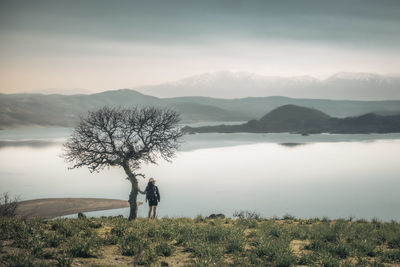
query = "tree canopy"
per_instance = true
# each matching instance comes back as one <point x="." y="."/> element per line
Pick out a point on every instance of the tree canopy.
<point x="115" y="136"/>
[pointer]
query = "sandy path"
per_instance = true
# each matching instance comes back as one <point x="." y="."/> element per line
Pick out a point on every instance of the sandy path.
<point x="52" y="207"/>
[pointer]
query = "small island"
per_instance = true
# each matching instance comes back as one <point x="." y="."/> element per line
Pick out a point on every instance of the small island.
<point x="304" y="120"/>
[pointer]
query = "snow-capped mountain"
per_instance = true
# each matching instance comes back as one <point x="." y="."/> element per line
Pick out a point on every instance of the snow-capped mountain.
<point x="234" y="82"/>
<point x="344" y="85"/>
<point x="361" y="77"/>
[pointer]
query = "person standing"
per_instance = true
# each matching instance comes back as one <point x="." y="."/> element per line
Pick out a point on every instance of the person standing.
<point x="152" y="196"/>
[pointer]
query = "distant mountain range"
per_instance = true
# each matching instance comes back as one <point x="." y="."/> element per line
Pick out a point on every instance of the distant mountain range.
<point x="344" y="85"/>
<point x="18" y="110"/>
<point x="61" y="91"/>
<point x="296" y="119"/>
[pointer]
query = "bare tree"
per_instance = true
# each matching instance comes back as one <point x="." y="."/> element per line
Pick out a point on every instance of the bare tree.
<point x="8" y="206"/>
<point x="126" y="138"/>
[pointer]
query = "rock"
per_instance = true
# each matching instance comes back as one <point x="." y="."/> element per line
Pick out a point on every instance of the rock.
<point x="216" y="216"/>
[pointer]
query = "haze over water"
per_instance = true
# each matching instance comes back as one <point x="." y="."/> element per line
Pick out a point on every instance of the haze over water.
<point x="327" y="175"/>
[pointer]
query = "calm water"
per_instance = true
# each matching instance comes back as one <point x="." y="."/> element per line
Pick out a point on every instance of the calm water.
<point x="273" y="174"/>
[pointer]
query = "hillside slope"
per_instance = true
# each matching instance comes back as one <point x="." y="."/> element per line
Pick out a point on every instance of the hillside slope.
<point x="64" y="110"/>
<point x="296" y="119"/>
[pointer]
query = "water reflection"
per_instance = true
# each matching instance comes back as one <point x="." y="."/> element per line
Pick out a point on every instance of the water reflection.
<point x="221" y="173"/>
<point x="28" y="143"/>
<point x="292" y="144"/>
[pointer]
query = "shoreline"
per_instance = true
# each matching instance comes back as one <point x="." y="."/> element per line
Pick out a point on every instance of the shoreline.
<point x="49" y="208"/>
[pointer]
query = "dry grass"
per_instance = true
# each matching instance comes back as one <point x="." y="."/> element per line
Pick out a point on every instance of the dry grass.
<point x="115" y="241"/>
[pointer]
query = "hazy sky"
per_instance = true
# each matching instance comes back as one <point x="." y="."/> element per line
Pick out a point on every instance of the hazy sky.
<point x="101" y="45"/>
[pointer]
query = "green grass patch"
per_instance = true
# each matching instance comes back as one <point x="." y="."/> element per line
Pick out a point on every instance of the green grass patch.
<point x="247" y="240"/>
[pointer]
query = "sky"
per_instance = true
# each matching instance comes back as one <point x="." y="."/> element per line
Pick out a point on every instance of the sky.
<point x="102" y="44"/>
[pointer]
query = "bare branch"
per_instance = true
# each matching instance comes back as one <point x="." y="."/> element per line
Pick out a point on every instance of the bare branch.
<point x="8" y="205"/>
<point x="123" y="137"/>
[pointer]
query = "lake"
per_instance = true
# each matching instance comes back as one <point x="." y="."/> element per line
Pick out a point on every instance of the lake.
<point x="272" y="174"/>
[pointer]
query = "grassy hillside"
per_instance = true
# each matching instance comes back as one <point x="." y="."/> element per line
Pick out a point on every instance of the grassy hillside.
<point x="256" y="107"/>
<point x="62" y="110"/>
<point x="305" y="120"/>
<point x="246" y="241"/>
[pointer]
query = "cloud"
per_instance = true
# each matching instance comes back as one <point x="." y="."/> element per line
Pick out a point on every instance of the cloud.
<point x="338" y="22"/>
<point x="102" y="44"/>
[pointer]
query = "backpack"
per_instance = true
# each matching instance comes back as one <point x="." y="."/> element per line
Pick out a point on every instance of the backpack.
<point x="151" y="193"/>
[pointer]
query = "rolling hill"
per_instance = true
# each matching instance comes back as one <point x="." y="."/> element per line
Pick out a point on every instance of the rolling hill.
<point x="304" y="120"/>
<point x="18" y="110"/>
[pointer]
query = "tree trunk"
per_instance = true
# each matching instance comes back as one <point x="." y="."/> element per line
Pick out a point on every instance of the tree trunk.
<point x="134" y="191"/>
<point x="133" y="200"/>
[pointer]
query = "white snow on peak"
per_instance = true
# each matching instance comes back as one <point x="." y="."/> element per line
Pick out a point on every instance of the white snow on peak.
<point x="357" y="76"/>
<point x="241" y="77"/>
<point x="229" y="84"/>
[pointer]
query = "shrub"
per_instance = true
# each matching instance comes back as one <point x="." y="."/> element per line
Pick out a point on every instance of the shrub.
<point x="325" y="219"/>
<point x="199" y="218"/>
<point x="376" y="221"/>
<point x="65" y="227"/>
<point x="299" y="232"/>
<point x="365" y="247"/>
<point x="202" y="262"/>
<point x="164" y="249"/>
<point x="329" y="261"/>
<point x="275" y="232"/>
<point x="235" y="242"/>
<point x="247" y="215"/>
<point x="392" y="255"/>
<point x="272" y="252"/>
<point x="288" y="217"/>
<point x="29" y="235"/>
<point x="19" y="260"/>
<point x="285" y="259"/>
<point x="94" y="224"/>
<point x="120" y="228"/>
<point x="54" y="240"/>
<point x="153" y="231"/>
<point x="394" y="242"/>
<point x="266" y="249"/>
<point x="215" y="234"/>
<point x="311" y="221"/>
<point x="129" y="244"/>
<point x="205" y="251"/>
<point x="340" y="250"/>
<point x="64" y="260"/>
<point x="8" y="205"/>
<point x="308" y="259"/>
<point x="149" y="257"/>
<point x="84" y="247"/>
<point x="247" y="223"/>
<point x="167" y="233"/>
<point x="11" y="227"/>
